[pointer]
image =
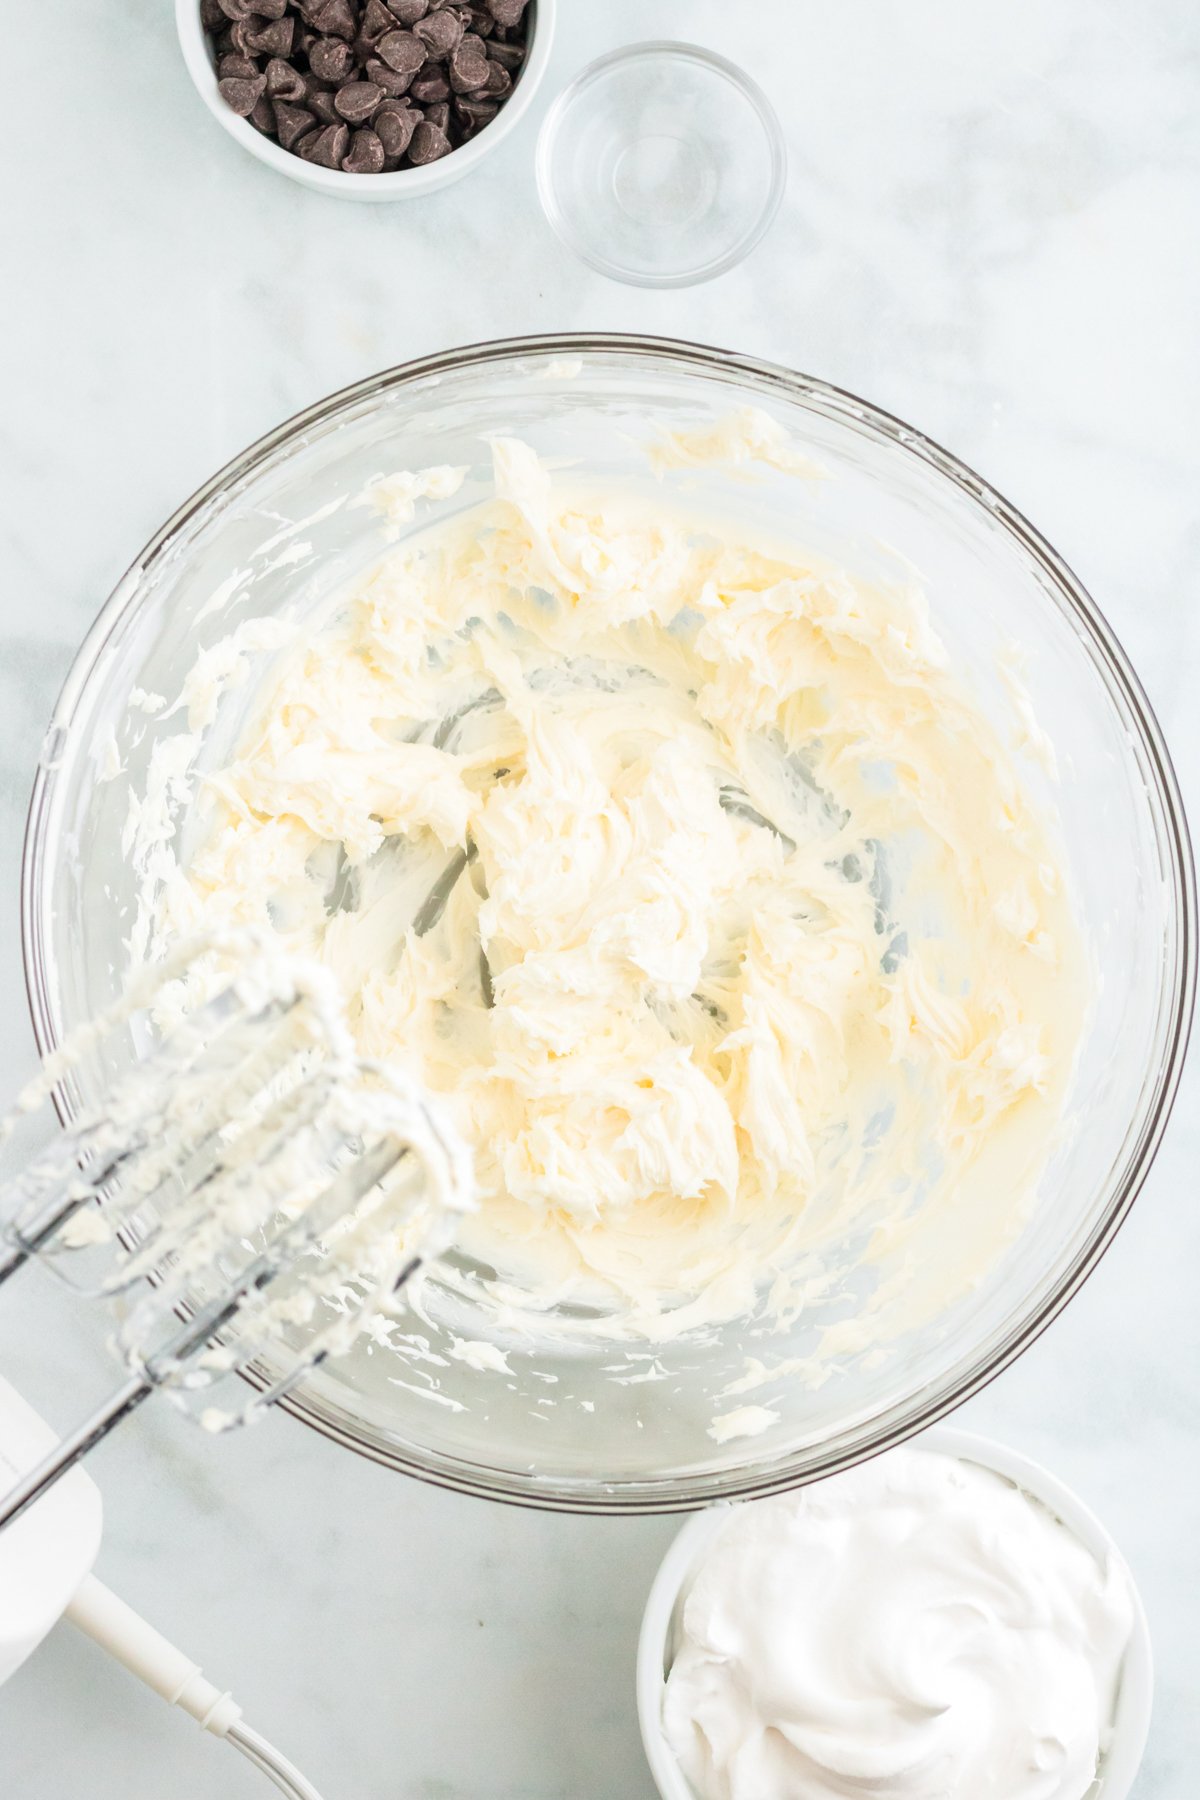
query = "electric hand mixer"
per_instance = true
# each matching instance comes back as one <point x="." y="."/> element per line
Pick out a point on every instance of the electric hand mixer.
<point x="250" y="1192"/>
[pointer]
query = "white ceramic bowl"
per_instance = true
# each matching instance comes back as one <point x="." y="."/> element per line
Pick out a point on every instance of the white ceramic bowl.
<point x="400" y="184"/>
<point x="1134" y="1702"/>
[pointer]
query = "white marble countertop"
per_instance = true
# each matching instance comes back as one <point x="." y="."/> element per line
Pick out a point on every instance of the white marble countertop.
<point x="990" y="229"/>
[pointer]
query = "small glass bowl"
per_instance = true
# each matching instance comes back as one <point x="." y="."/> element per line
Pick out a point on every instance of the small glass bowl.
<point x="661" y="165"/>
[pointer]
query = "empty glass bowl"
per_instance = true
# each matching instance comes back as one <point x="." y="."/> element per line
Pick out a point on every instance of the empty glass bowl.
<point x="661" y="165"/>
<point x="603" y="1427"/>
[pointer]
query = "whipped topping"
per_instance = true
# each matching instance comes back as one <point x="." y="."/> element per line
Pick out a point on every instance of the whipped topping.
<point x="683" y="869"/>
<point x="917" y="1627"/>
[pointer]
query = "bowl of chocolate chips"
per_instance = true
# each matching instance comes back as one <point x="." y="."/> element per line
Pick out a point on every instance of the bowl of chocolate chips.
<point x="367" y="99"/>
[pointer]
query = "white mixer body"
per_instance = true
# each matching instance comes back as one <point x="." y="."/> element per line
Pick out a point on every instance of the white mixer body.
<point x="47" y="1553"/>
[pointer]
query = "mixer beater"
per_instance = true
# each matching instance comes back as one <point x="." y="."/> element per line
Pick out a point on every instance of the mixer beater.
<point x="250" y="1191"/>
<point x="246" y="1194"/>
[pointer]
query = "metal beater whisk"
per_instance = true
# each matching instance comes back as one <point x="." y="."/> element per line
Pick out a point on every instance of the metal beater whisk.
<point x="250" y="1190"/>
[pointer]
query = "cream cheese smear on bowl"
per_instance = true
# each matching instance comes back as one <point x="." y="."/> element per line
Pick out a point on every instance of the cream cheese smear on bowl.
<point x="915" y="1627"/>
<point x="687" y="871"/>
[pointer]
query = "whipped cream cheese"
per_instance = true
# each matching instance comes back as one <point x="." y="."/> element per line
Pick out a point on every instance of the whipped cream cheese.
<point x="915" y="1627"/>
<point x="684" y="869"/>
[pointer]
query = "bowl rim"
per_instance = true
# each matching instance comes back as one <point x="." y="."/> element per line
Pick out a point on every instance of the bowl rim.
<point x="558" y="219"/>
<point x="396" y="184"/>
<point x="600" y="1494"/>
<point x="1135" y="1696"/>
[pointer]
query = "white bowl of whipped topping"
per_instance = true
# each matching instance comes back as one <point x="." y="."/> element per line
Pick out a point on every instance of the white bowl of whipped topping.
<point x="948" y="1619"/>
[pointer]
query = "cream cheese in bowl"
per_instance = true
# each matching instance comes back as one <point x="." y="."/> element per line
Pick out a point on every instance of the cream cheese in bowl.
<point x="684" y="867"/>
<point x="872" y="1309"/>
<point x="921" y="1625"/>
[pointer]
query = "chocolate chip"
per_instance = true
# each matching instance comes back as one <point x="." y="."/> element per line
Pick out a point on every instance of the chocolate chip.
<point x="439" y="114"/>
<point x="394" y="126"/>
<point x="242" y="95"/>
<point x="376" y="20"/>
<point x="284" y="82"/>
<point x="327" y="147"/>
<point x="428" y="144"/>
<point x="321" y="104"/>
<point x="388" y="79"/>
<point x="365" y="156"/>
<point x="331" y="59"/>
<point x="271" y="9"/>
<point x="469" y="65"/>
<point x="237" y="9"/>
<point x="509" y="56"/>
<point x="212" y="15"/>
<point x="263" y="117"/>
<point x="499" y="82"/>
<point x="441" y="33"/>
<point x="231" y="68"/>
<point x="430" y="86"/>
<point x="357" y="101"/>
<point x="291" y="123"/>
<point x="506" y="12"/>
<point x="336" y="19"/>
<point x="275" y="38"/>
<point x="475" y="114"/>
<point x="409" y="11"/>
<point x="401" y="51"/>
<point x="478" y="20"/>
<point x="234" y="40"/>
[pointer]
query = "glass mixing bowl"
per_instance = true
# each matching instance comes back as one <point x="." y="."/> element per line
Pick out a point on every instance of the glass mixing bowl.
<point x="608" y="1428"/>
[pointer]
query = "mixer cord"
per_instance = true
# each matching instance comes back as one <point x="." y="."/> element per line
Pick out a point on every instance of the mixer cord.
<point x="145" y="1652"/>
<point x="271" y="1762"/>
